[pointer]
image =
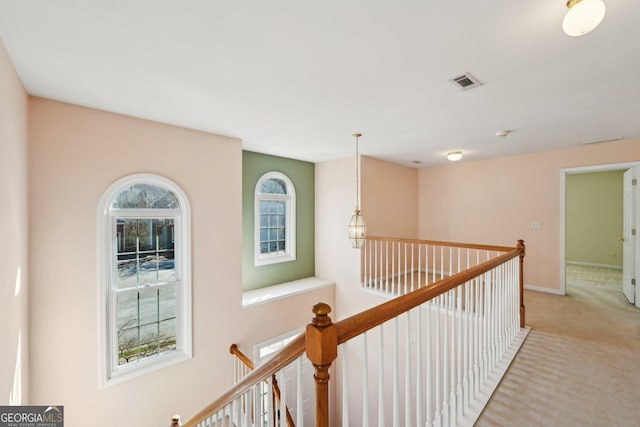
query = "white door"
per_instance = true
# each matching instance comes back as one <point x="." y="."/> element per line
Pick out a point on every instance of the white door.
<point x="629" y="236"/>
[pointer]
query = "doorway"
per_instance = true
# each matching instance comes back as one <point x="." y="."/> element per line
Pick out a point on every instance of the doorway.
<point x="596" y="242"/>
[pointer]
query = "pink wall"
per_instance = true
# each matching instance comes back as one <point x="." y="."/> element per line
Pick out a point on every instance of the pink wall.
<point x="389" y="201"/>
<point x="389" y="198"/>
<point x="494" y="201"/>
<point x="75" y="153"/>
<point x="14" y="295"/>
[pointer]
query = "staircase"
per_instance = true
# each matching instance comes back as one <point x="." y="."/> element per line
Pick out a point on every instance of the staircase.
<point x="432" y="355"/>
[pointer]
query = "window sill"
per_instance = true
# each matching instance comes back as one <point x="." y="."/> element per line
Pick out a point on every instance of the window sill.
<point x="284" y="290"/>
<point x="145" y="367"/>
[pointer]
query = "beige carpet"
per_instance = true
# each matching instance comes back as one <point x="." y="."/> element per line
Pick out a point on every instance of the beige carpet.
<point x="580" y="365"/>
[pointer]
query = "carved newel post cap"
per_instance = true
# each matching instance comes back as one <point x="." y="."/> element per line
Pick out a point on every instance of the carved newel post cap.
<point x="175" y="421"/>
<point x="321" y="311"/>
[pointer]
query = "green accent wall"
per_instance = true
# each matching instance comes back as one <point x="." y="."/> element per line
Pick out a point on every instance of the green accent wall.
<point x="594" y="215"/>
<point x="302" y="174"/>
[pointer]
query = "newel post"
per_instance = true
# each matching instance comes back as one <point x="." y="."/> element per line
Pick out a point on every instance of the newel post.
<point x="322" y="350"/>
<point x="175" y="421"/>
<point x="522" y="247"/>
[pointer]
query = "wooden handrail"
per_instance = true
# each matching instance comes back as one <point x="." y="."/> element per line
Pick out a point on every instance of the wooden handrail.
<point x="249" y="364"/>
<point x="243" y="357"/>
<point x="288" y="354"/>
<point x="440" y="243"/>
<point x="359" y="323"/>
<point x="362" y="322"/>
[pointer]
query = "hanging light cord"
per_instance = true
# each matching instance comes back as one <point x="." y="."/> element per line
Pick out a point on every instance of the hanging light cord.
<point x="357" y="135"/>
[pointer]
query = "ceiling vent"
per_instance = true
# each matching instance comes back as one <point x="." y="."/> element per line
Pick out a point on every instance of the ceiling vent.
<point x="466" y="81"/>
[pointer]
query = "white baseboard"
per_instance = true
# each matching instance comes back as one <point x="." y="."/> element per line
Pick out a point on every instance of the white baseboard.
<point x="593" y="264"/>
<point x="542" y="289"/>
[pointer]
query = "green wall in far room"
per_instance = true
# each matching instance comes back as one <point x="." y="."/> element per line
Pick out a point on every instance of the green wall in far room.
<point x="594" y="218"/>
<point x="302" y="174"/>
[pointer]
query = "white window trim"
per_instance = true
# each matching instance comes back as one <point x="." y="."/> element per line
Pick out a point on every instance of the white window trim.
<point x="286" y="337"/>
<point x="290" y="226"/>
<point x="184" y="349"/>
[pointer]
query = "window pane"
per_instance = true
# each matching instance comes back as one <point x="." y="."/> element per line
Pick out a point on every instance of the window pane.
<point x="127" y="271"/>
<point x="273" y="186"/>
<point x="167" y="303"/>
<point x="280" y="207"/>
<point x="127" y="345"/>
<point x="264" y="248"/>
<point x="264" y="220"/>
<point x="273" y="247"/>
<point x="127" y="311"/>
<point x="280" y="233"/>
<point x="127" y="232"/>
<point x="149" y="340"/>
<point x="146" y="236"/>
<point x="166" y="267"/>
<point x="273" y="234"/>
<point x="146" y="254"/>
<point x="280" y="221"/>
<point x="165" y="233"/>
<point x="148" y="270"/>
<point x="264" y="207"/>
<point x="281" y="246"/>
<point x="145" y="196"/>
<point x="148" y="306"/>
<point x="264" y="234"/>
<point x="168" y="335"/>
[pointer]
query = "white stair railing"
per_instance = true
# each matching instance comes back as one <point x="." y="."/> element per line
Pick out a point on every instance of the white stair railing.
<point x="398" y="266"/>
<point x="427" y="357"/>
<point x="444" y="357"/>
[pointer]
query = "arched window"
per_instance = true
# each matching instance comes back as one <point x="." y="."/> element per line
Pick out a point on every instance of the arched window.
<point x="146" y="287"/>
<point x="275" y="219"/>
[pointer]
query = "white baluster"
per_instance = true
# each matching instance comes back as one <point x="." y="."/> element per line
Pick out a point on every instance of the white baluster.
<point x="433" y="261"/>
<point x="426" y="267"/>
<point x="257" y="408"/>
<point x="458" y="393"/>
<point x="467" y="345"/>
<point x="396" y="376"/>
<point x="381" y="389"/>
<point x="345" y="386"/>
<point x="436" y="370"/>
<point x="365" y="381"/>
<point x="413" y="266"/>
<point x="419" y="372"/>
<point x="283" y="400"/>
<point x="247" y="408"/>
<point x="270" y="406"/>
<point x="393" y="260"/>
<point x="476" y="339"/>
<point x="406" y="272"/>
<point x="377" y="255"/>
<point x="445" y="362"/>
<point x="407" y="370"/>
<point x="386" y="265"/>
<point x="300" y="394"/>
<point x="441" y="262"/>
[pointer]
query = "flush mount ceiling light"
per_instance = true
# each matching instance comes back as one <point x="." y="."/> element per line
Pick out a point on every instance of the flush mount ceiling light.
<point x="583" y="16"/>
<point x="454" y="155"/>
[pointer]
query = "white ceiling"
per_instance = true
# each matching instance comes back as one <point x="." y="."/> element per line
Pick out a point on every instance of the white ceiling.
<point x="297" y="78"/>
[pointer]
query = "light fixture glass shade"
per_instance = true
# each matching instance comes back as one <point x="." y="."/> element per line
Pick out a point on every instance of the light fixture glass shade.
<point x="454" y="155"/>
<point x="583" y="16"/>
<point x="357" y="230"/>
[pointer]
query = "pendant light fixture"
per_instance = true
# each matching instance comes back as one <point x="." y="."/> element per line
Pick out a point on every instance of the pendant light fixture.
<point x="357" y="226"/>
<point x="583" y="16"/>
